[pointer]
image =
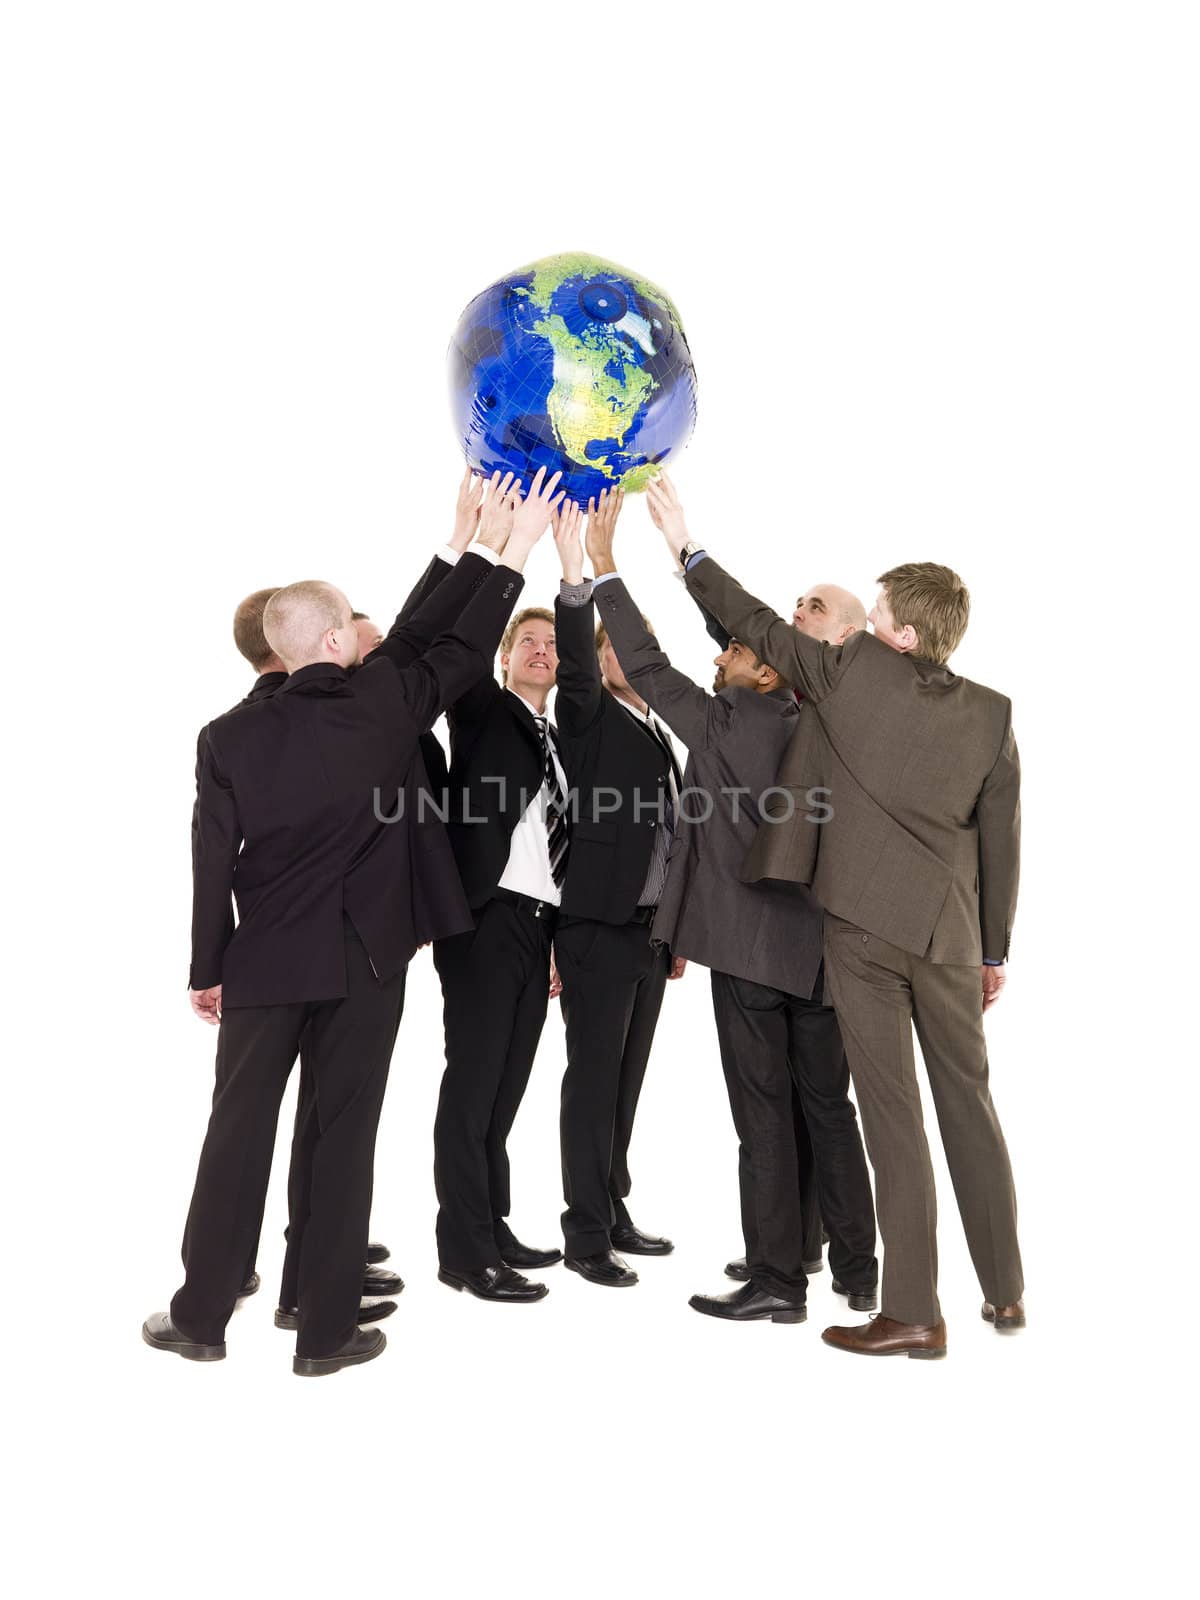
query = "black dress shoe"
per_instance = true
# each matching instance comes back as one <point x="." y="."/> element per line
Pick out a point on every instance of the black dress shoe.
<point x="377" y="1281"/>
<point x="377" y="1253"/>
<point x="748" y="1304"/>
<point x="364" y="1344"/>
<point x="740" y="1269"/>
<point x="368" y="1311"/>
<point x="516" y="1254"/>
<point x="604" y="1267"/>
<point x="496" y="1283"/>
<point x="866" y="1301"/>
<point x="162" y="1333"/>
<point x="626" y="1237"/>
<point x="251" y="1286"/>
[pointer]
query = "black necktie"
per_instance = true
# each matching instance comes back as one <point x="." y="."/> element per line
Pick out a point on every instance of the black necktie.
<point x="556" y="808"/>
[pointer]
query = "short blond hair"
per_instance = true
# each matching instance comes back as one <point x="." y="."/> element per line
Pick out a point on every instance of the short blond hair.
<point x="529" y="614"/>
<point x="933" y="601"/>
<point x="248" y="632"/>
<point x="297" y="618"/>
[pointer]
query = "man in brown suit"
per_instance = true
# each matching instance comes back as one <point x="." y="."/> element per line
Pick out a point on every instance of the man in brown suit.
<point x="917" y="870"/>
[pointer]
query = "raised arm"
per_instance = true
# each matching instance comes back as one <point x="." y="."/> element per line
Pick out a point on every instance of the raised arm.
<point x="580" y="697"/>
<point x="808" y="664"/>
<point x="463" y="654"/>
<point x="998" y="815"/>
<point x="699" y="718"/>
<point x="480" y="514"/>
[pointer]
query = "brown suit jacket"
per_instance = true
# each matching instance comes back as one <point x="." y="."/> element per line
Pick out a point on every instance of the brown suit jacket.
<point x="922" y="848"/>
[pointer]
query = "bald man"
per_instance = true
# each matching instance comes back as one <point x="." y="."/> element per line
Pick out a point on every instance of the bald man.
<point x="304" y="815"/>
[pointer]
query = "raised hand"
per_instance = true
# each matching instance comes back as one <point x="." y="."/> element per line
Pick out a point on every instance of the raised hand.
<point x="567" y="525"/>
<point x="666" y="513"/>
<point x="601" y="528"/>
<point x="466" y="511"/>
<point x="496" y="513"/>
<point x="533" y="515"/>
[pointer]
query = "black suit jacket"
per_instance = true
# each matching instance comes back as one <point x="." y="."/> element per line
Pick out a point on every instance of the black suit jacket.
<point x="495" y="771"/>
<point x="289" y="803"/>
<point x="618" y="771"/>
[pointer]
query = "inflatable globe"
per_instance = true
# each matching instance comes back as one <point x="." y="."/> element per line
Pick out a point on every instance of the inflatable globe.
<point x="576" y="365"/>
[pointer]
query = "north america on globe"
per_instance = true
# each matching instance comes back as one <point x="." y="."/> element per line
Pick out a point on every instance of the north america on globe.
<point x="577" y="365"/>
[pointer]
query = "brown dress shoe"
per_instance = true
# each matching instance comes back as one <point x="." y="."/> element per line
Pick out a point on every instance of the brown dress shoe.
<point x="883" y="1337"/>
<point x="1005" y="1319"/>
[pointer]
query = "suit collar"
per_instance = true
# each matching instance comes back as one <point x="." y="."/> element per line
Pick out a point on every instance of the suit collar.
<point x="267" y="683"/>
<point x="319" y="672"/>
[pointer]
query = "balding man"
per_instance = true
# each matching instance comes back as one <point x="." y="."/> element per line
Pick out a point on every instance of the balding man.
<point x="251" y="643"/>
<point x="763" y="946"/>
<point x="305" y="815"/>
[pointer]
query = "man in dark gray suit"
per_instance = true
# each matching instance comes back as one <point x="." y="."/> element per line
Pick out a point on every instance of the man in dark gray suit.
<point x="763" y="944"/>
<point x="917" y="871"/>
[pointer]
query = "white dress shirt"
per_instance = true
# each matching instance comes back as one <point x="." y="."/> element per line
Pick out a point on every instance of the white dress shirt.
<point x="528" y="868"/>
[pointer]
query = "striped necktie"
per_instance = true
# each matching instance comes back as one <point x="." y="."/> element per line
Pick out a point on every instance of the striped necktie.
<point x="557" y="835"/>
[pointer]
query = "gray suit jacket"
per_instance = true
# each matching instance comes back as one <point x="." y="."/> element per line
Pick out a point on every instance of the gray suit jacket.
<point x="923" y="846"/>
<point x="769" y="933"/>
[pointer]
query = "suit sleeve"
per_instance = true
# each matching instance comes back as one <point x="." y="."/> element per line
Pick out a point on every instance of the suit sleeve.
<point x="432" y="607"/>
<point x="580" y="697"/>
<point x="998" y="816"/>
<point x="216" y="840"/>
<point x="718" y="634"/>
<point x="699" y="718"/>
<point x="461" y="655"/>
<point x="807" y="664"/>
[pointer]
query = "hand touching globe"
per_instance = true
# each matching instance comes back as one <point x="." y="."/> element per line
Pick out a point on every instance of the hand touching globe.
<point x="576" y="365"/>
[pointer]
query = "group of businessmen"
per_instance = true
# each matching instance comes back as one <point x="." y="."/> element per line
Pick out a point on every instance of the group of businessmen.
<point x="841" y="851"/>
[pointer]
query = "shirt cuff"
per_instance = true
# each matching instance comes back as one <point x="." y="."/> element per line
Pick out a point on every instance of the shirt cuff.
<point x="448" y="554"/>
<point x="988" y="963"/>
<point x="701" y="555"/>
<point x="575" y="594"/>
<point x="488" y="555"/>
<point x="603" y="577"/>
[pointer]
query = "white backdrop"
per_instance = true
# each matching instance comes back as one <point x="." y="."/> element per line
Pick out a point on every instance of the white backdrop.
<point x="937" y="266"/>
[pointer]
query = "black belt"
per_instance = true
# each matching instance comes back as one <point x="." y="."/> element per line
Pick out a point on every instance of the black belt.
<point x="541" y="909"/>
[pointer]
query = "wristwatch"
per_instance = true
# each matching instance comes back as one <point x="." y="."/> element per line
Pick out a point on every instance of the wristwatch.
<point x="689" y="550"/>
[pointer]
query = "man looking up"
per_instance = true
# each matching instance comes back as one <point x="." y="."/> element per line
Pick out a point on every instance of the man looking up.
<point x="917" y="870"/>
<point x="510" y="835"/>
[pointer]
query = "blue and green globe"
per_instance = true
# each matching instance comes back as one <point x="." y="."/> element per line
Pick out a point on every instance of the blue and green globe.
<point x="576" y="365"/>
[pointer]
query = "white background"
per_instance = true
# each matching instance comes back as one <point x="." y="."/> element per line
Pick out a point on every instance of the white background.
<point x="937" y="266"/>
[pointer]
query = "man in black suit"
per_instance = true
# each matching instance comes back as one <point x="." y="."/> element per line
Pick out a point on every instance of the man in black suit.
<point x="251" y="643"/>
<point x="332" y="904"/>
<point x="510" y="837"/>
<point x="626" y="784"/>
<point x="763" y="946"/>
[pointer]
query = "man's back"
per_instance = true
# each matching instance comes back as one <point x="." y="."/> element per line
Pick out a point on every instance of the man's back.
<point x="922" y="846"/>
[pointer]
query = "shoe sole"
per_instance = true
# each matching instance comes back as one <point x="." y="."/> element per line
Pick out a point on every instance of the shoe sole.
<point x="285" y="1320"/>
<point x="452" y="1282"/>
<point x="1004" y="1324"/>
<point x="913" y="1355"/>
<point x="800" y="1315"/>
<point x="189" y="1352"/>
<point x="634" y="1250"/>
<point x="531" y="1266"/>
<point x="603" y="1283"/>
<point x="322" y="1366"/>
